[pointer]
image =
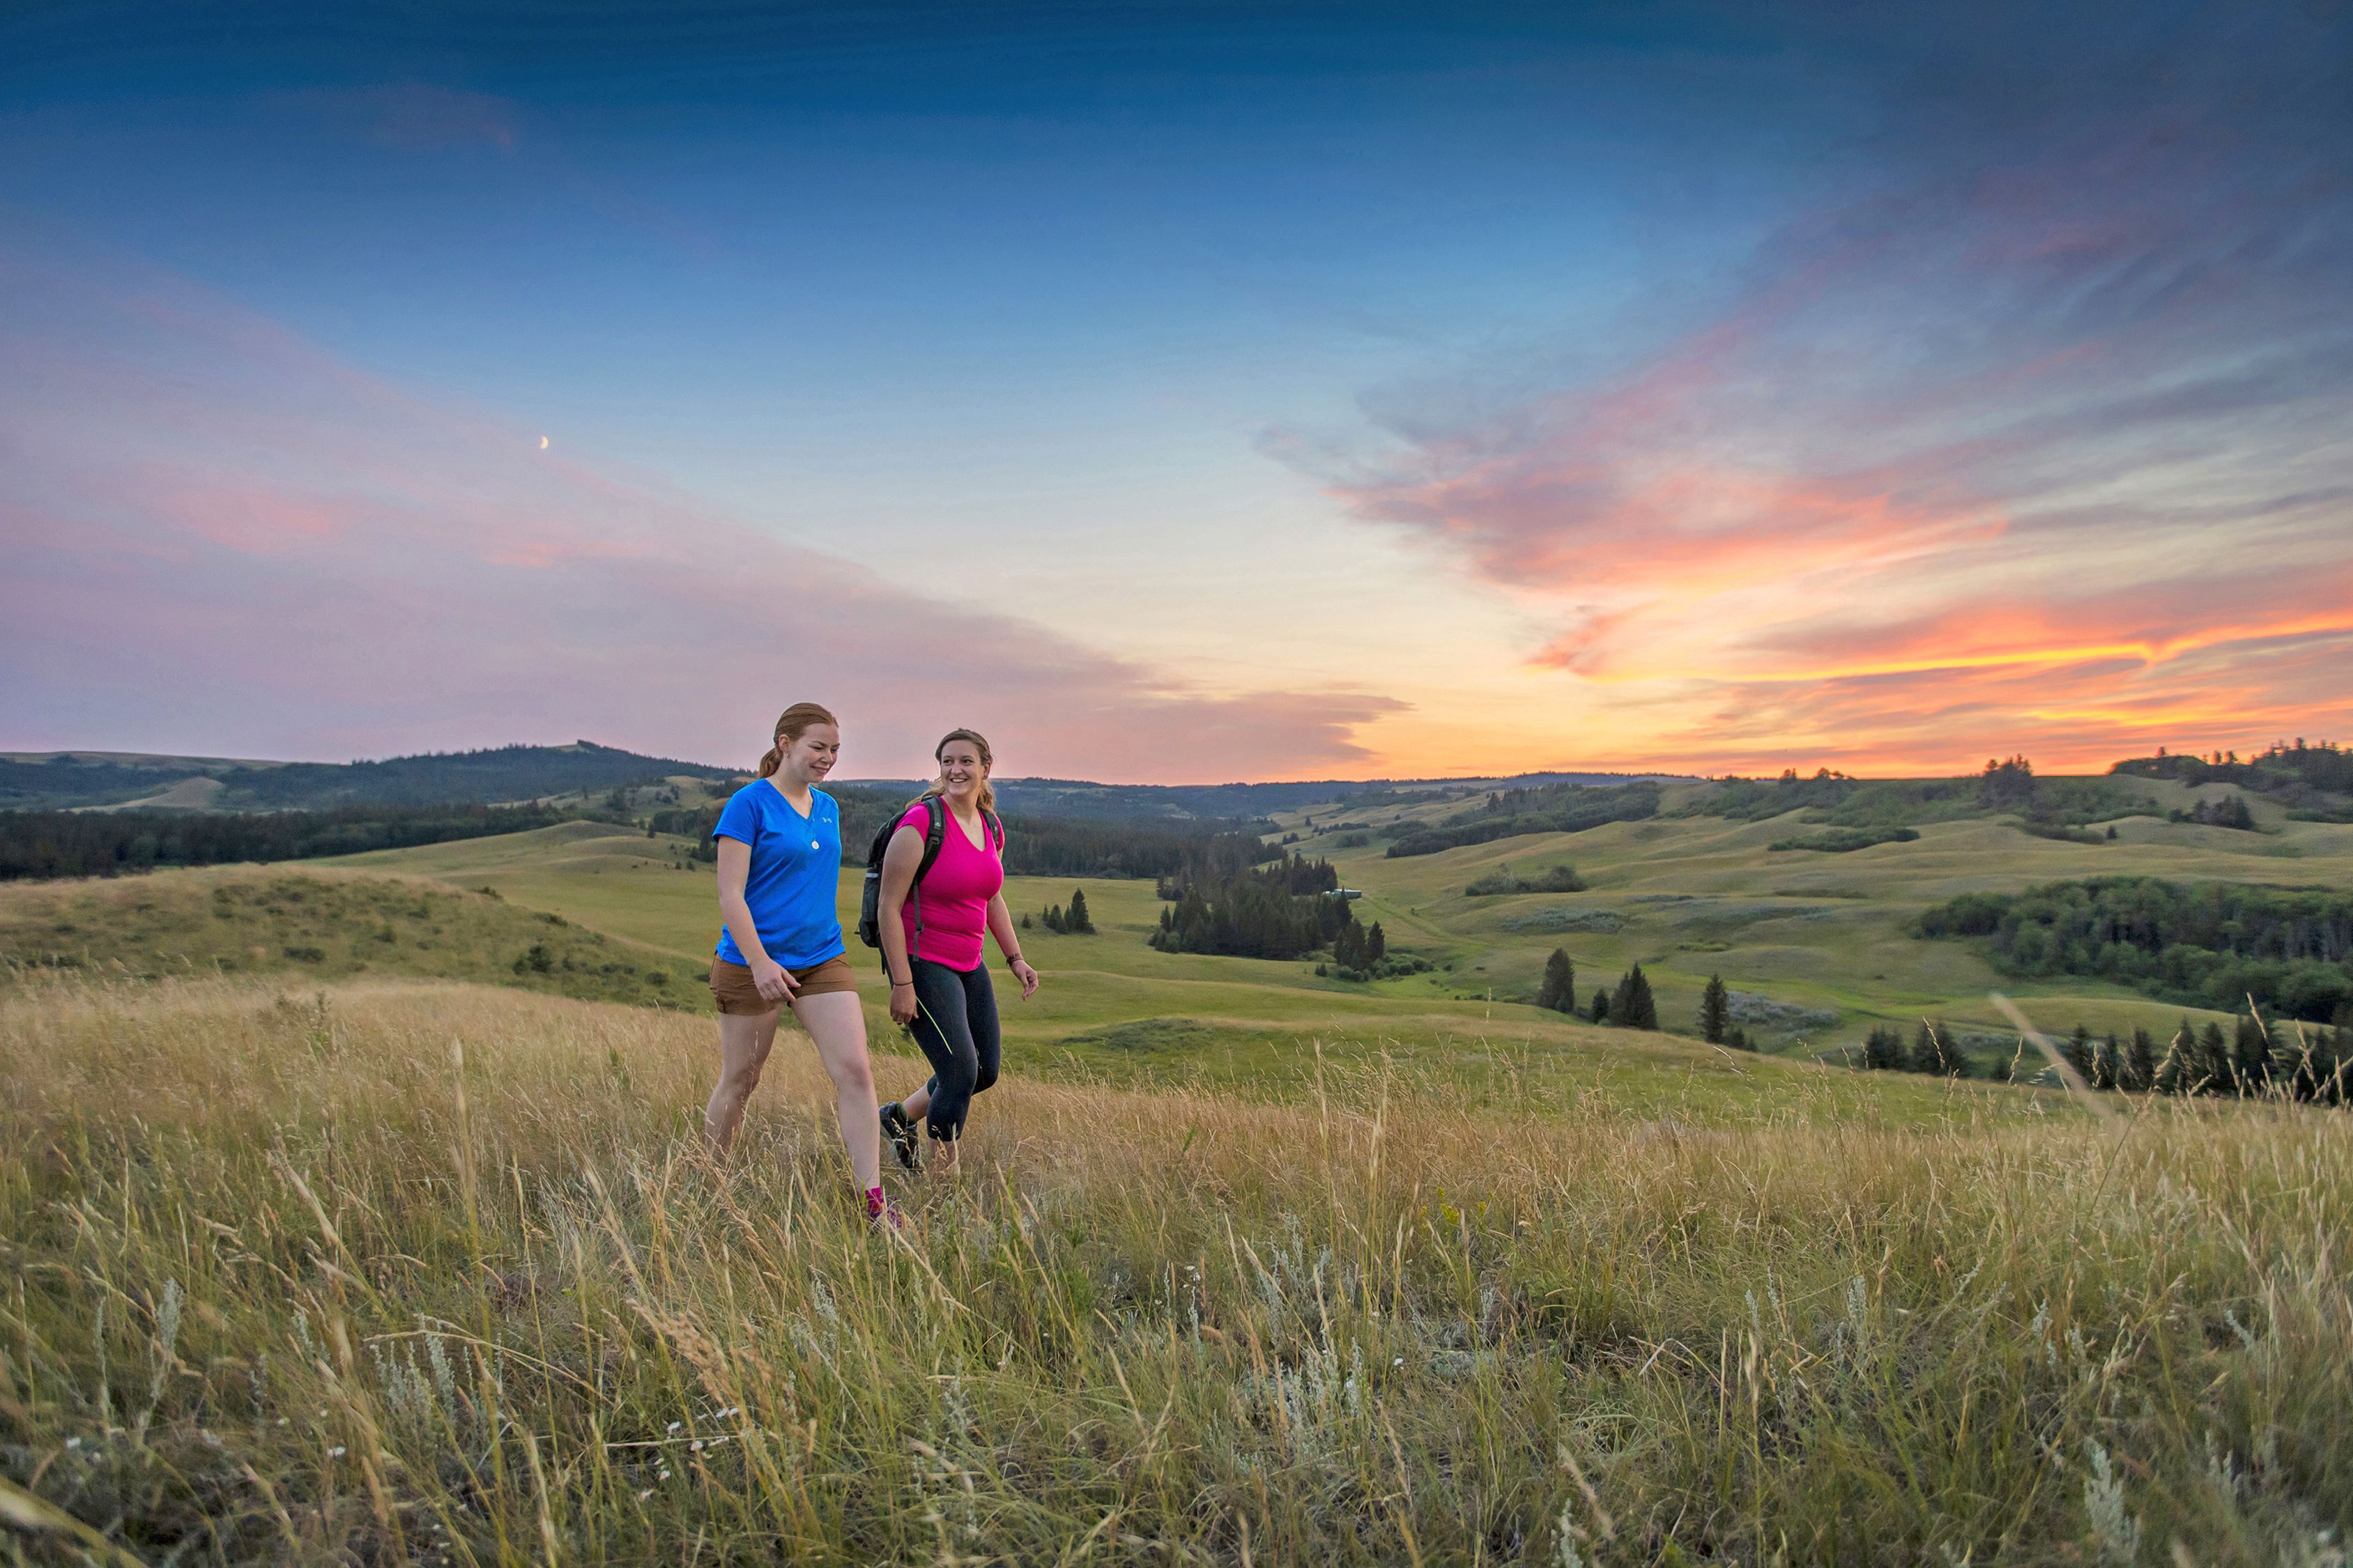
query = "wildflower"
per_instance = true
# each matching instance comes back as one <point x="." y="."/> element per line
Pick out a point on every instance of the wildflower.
<point x="337" y="1452"/>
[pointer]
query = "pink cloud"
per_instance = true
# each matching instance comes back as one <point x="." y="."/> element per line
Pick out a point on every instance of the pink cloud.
<point x="2042" y="456"/>
<point x="215" y="538"/>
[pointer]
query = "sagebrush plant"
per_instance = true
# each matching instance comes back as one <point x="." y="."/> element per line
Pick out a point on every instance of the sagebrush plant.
<point x="439" y="1273"/>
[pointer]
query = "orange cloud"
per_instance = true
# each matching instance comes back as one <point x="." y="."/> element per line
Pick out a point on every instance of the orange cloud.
<point x="2015" y="460"/>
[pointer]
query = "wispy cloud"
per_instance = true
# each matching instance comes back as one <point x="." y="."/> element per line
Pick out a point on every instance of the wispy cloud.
<point x="2038" y="442"/>
<point x="215" y="537"/>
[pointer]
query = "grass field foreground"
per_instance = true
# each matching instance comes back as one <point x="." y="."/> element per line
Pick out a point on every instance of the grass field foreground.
<point x="436" y="1272"/>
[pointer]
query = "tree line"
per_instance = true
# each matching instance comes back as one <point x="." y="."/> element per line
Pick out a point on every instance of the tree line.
<point x="116" y="843"/>
<point x="1034" y="846"/>
<point x="2049" y="807"/>
<point x="2295" y="774"/>
<point x="2256" y="1058"/>
<point x="1548" y="808"/>
<point x="1283" y="910"/>
<point x="2209" y="944"/>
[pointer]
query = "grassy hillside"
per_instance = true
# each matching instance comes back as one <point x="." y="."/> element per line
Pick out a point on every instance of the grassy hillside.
<point x="329" y="926"/>
<point x="1820" y="942"/>
<point x="435" y="1273"/>
<point x="71" y="779"/>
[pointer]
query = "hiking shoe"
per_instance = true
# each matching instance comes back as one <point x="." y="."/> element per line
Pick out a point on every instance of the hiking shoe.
<point x="899" y="1134"/>
<point x="890" y="1217"/>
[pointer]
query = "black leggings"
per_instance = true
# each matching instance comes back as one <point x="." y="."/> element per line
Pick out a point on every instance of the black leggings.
<point x="955" y="1023"/>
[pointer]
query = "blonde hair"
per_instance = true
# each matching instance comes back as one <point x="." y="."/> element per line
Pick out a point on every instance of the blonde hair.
<point x="980" y="744"/>
<point x="790" y="724"/>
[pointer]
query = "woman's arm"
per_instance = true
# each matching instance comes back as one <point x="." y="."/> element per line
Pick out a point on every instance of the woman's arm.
<point x="900" y="858"/>
<point x="768" y="974"/>
<point x="1001" y="926"/>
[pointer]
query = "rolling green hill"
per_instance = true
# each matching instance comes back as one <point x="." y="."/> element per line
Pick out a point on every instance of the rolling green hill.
<point x="67" y="780"/>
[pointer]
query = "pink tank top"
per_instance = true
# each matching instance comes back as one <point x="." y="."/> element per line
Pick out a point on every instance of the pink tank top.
<point x="946" y="913"/>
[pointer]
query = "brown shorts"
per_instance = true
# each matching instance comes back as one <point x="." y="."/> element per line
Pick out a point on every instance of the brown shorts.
<point x="732" y="987"/>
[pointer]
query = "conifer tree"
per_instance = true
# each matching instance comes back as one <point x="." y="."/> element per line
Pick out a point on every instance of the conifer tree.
<point x="2078" y="1052"/>
<point x="1077" y="919"/>
<point x="1925" y="1057"/>
<point x="2140" y="1063"/>
<point x="1558" y="991"/>
<point x="1633" y="1006"/>
<point x="1715" y="1010"/>
<point x="2250" y="1056"/>
<point x="1736" y="1039"/>
<point x="2177" y="1070"/>
<point x="2108" y="1062"/>
<point x="1882" y="1049"/>
<point x="1377" y="945"/>
<point x="2214" y="1061"/>
<point x="1601" y="1004"/>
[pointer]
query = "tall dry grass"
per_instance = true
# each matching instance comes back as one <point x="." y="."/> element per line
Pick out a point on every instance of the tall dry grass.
<point x="438" y="1274"/>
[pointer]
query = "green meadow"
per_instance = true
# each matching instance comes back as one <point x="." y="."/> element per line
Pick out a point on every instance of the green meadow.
<point x="356" y="1212"/>
<point x="1820" y="939"/>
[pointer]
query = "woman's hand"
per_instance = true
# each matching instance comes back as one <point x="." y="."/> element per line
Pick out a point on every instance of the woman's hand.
<point x="768" y="977"/>
<point x="1026" y="975"/>
<point x="902" y="1003"/>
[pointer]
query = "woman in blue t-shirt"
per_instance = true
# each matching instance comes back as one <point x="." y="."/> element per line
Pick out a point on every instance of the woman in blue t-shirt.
<point x="779" y="845"/>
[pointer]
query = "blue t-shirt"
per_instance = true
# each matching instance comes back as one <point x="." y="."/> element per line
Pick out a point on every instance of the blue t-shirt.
<point x="795" y="868"/>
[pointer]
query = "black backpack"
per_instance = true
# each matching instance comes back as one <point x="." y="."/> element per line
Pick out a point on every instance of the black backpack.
<point x="936" y="824"/>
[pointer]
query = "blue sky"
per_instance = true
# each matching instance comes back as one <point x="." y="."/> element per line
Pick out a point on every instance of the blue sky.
<point x="1508" y="388"/>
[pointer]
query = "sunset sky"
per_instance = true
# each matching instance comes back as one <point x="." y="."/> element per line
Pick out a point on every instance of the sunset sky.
<point x="1180" y="393"/>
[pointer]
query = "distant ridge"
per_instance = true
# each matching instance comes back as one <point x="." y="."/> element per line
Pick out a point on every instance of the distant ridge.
<point x="72" y="780"/>
<point x="1077" y="797"/>
<point x="82" y="780"/>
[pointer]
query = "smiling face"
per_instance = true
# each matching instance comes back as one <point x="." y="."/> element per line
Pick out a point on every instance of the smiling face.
<point x="810" y="755"/>
<point x="961" y="770"/>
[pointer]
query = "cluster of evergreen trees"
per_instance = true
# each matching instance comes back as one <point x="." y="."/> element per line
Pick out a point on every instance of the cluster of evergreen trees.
<point x="2256" y="1058"/>
<point x="1284" y="911"/>
<point x="2213" y="944"/>
<point x="1551" y="879"/>
<point x="1630" y="1004"/>
<point x="1548" y="808"/>
<point x="2288" y="773"/>
<point x="1933" y="1051"/>
<point x="1071" y="921"/>
<point x="113" y="843"/>
<point x="2230" y="811"/>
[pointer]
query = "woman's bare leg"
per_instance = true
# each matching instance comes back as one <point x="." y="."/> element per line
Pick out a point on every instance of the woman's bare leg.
<point x="743" y="1044"/>
<point x="837" y="1022"/>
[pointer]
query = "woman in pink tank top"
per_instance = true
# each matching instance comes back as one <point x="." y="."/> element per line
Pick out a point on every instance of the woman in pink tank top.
<point x="932" y="928"/>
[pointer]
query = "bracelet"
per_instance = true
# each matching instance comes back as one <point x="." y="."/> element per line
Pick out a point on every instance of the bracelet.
<point x="896" y="984"/>
<point x="1016" y="958"/>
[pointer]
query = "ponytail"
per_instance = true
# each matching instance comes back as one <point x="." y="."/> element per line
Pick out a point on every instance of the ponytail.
<point x="987" y="792"/>
<point x="789" y="725"/>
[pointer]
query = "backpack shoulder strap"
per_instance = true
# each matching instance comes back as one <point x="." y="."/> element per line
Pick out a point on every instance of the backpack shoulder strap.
<point x="996" y="828"/>
<point x="936" y="824"/>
